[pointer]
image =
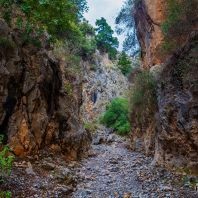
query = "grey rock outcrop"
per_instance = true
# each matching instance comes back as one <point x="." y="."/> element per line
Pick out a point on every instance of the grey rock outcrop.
<point x="103" y="82"/>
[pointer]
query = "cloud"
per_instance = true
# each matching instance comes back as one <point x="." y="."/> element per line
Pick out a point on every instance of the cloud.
<point x="104" y="8"/>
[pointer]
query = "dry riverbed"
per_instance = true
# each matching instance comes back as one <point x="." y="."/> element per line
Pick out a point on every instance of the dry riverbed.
<point x="111" y="170"/>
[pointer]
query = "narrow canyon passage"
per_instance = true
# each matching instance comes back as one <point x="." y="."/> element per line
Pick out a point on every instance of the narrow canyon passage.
<point x="111" y="170"/>
<point x="115" y="171"/>
<point x="99" y="99"/>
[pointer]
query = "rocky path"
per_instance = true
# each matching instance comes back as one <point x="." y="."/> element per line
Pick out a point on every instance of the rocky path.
<point x="112" y="170"/>
<point x="116" y="172"/>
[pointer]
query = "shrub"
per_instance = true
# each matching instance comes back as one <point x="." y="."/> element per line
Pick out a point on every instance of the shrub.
<point x="6" y="160"/>
<point x="116" y="116"/>
<point x="124" y="64"/>
<point x="5" y="194"/>
<point x="91" y="126"/>
<point x="143" y="97"/>
<point x="68" y="88"/>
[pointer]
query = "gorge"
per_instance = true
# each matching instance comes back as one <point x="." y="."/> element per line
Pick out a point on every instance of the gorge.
<point x="58" y="81"/>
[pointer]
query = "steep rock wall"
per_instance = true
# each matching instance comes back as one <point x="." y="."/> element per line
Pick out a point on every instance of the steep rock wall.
<point x="35" y="110"/>
<point x="173" y="135"/>
<point x="177" y="129"/>
<point x="103" y="81"/>
<point x="148" y="17"/>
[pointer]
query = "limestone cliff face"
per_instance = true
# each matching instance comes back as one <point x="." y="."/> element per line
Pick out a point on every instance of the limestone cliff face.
<point x="173" y="135"/>
<point x="103" y="81"/>
<point x="36" y="112"/>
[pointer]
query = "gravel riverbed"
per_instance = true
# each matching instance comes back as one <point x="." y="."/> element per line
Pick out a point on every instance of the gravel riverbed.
<point x="111" y="170"/>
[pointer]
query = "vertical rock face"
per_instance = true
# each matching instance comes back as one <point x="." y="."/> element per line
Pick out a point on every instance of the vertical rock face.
<point x="149" y="16"/>
<point x="175" y="135"/>
<point x="35" y="109"/>
<point x="103" y="82"/>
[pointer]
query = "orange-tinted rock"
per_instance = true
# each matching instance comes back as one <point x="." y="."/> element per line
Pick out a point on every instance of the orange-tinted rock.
<point x="35" y="110"/>
<point x="149" y="18"/>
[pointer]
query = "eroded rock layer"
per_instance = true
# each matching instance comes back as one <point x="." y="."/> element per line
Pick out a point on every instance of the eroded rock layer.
<point x="36" y="110"/>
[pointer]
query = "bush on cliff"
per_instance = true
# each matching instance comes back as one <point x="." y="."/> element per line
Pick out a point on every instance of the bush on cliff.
<point x="124" y="64"/>
<point x="181" y="19"/>
<point x="143" y="97"/>
<point x="116" y="116"/>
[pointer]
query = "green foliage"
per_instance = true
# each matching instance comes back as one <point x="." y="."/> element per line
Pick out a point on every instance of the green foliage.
<point x="60" y="18"/>
<point x="82" y="7"/>
<point x="6" y="44"/>
<point x="6" y="6"/>
<point x="180" y="21"/>
<point x="6" y="160"/>
<point x="104" y="38"/>
<point x="91" y="126"/>
<point x="74" y="67"/>
<point x="174" y="14"/>
<point x="5" y="194"/>
<point x="116" y="116"/>
<point x="68" y="88"/>
<point x="143" y="97"/>
<point x="88" y="42"/>
<point x="125" y="24"/>
<point x="124" y="64"/>
<point x="87" y="29"/>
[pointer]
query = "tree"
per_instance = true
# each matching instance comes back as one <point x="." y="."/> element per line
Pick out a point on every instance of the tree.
<point x="125" y="24"/>
<point x="60" y="18"/>
<point x="104" y="38"/>
<point x="88" y="42"/>
<point x="124" y="64"/>
<point x="81" y="6"/>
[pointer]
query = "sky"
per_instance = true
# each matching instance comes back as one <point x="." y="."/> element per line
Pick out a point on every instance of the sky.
<point x="108" y="9"/>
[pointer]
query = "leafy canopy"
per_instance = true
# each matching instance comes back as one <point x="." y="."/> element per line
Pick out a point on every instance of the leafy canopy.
<point x="88" y="42"/>
<point x="104" y="38"/>
<point x="57" y="17"/>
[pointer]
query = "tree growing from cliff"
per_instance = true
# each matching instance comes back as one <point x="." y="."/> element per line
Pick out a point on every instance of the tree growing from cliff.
<point x="124" y="63"/>
<point x="104" y="38"/>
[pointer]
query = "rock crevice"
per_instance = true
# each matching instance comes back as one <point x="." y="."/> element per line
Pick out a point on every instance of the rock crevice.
<point x="35" y="110"/>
